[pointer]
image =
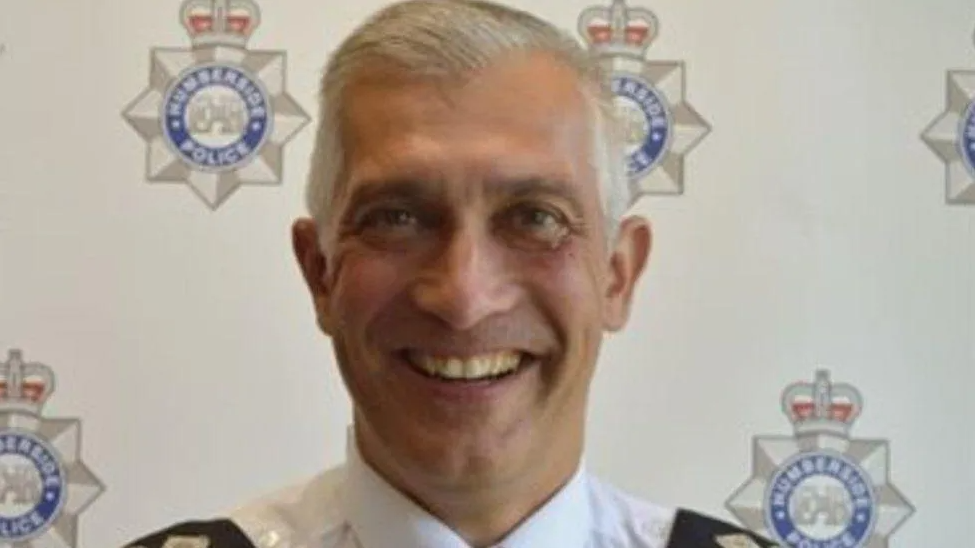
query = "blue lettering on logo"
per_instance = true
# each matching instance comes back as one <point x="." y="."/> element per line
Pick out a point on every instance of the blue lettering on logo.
<point x="654" y="128"/>
<point x="32" y="484"/>
<point x="966" y="142"/>
<point x="820" y="500"/>
<point x="216" y="117"/>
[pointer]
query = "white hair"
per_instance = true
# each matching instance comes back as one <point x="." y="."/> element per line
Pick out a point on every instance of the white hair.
<point x="451" y="38"/>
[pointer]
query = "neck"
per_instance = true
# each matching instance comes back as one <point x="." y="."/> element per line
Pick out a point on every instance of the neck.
<point x="483" y="512"/>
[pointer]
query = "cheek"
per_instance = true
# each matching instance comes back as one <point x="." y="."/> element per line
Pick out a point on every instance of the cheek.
<point x="565" y="286"/>
<point x="568" y="281"/>
<point x="364" y="284"/>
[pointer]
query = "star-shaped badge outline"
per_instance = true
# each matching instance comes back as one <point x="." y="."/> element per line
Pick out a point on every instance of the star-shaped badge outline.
<point x="687" y="129"/>
<point x="82" y="487"/>
<point x="944" y="137"/>
<point x="164" y="165"/>
<point x="769" y="453"/>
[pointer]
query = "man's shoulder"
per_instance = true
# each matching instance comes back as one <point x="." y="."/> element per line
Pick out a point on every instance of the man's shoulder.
<point x="623" y="519"/>
<point x="216" y="533"/>
<point x="303" y="509"/>
<point x="693" y="529"/>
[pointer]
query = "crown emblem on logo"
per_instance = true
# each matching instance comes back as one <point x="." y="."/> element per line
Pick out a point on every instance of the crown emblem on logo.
<point x="821" y="407"/>
<point x="220" y="22"/>
<point x="618" y="30"/>
<point x="24" y="386"/>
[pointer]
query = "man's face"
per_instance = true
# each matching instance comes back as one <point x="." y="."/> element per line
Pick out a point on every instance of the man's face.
<point x="467" y="281"/>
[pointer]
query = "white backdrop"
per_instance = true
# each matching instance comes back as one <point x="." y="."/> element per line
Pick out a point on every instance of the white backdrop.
<point x="813" y="232"/>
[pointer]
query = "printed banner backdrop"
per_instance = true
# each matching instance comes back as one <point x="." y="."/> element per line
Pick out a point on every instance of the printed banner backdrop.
<point x="800" y="360"/>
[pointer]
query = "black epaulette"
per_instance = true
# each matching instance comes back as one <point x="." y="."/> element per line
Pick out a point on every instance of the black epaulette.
<point x="219" y="533"/>
<point x="694" y="530"/>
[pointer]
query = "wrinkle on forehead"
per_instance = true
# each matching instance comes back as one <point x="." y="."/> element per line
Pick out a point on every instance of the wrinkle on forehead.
<point x="522" y="115"/>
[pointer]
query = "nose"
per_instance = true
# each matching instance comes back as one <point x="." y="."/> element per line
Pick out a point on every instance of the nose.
<point x="466" y="282"/>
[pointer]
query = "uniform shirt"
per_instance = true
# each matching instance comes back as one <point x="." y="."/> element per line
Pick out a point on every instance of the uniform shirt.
<point x="351" y="506"/>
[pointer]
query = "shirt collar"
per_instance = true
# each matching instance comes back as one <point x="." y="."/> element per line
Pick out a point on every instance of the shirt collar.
<point x="382" y="517"/>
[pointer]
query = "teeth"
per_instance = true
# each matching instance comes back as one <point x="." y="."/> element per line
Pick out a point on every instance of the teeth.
<point x="475" y="367"/>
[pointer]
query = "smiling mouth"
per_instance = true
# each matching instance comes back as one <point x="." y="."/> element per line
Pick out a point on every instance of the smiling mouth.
<point x="480" y="367"/>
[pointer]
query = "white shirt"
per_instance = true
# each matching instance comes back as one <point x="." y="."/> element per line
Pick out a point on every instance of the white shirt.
<point x="351" y="506"/>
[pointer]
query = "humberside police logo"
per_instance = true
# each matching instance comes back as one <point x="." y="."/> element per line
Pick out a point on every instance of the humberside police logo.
<point x="216" y="116"/>
<point x="661" y="127"/>
<point x="820" y="488"/>
<point x="952" y="137"/>
<point x="44" y="486"/>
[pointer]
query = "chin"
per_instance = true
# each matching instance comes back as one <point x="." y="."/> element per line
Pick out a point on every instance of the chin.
<point x="470" y="450"/>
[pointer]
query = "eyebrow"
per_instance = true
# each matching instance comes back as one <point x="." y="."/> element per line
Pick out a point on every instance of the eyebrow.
<point x="413" y="190"/>
<point x="538" y="186"/>
<point x="369" y="191"/>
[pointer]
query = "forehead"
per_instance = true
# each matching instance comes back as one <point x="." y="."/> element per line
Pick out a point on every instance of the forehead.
<point x="521" y="117"/>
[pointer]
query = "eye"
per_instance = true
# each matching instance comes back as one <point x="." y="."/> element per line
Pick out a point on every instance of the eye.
<point x="537" y="225"/>
<point x="388" y="217"/>
<point x="536" y="218"/>
<point x="389" y="225"/>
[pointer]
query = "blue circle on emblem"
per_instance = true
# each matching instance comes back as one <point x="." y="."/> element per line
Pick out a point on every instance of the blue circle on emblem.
<point x="647" y="122"/>
<point x="216" y="117"/>
<point x="966" y="140"/>
<point x="32" y="485"/>
<point x="820" y="499"/>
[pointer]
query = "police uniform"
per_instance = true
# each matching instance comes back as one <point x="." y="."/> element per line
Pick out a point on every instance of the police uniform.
<point x="353" y="507"/>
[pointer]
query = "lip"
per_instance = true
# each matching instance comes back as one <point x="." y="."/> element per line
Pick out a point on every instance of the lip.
<point x="460" y="391"/>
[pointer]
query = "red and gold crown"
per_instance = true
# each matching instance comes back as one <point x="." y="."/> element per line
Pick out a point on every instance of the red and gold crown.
<point x="822" y="407"/>
<point x="24" y="386"/>
<point x="220" y="22"/>
<point x="618" y="30"/>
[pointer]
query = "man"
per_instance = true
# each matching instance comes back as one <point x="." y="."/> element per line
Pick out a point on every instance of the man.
<point x="466" y="251"/>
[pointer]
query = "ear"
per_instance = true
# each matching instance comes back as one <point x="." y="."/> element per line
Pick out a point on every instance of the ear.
<point x="311" y="260"/>
<point x="628" y="258"/>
